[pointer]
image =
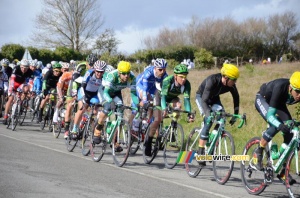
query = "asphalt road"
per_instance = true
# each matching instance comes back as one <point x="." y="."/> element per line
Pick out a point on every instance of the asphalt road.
<point x="35" y="164"/>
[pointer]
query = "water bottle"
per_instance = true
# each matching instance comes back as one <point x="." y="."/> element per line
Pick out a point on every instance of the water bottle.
<point x="274" y="150"/>
<point x="136" y="124"/>
<point x="144" y="125"/>
<point x="108" y="127"/>
<point x="211" y="137"/>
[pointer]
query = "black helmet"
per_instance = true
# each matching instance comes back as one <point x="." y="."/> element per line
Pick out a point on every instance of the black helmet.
<point x="91" y="59"/>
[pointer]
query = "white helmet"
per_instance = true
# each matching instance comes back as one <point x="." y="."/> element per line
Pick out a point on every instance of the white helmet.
<point x="53" y="62"/>
<point x="65" y="65"/>
<point x="24" y="62"/>
<point x="48" y="65"/>
<point x="39" y="64"/>
<point x="99" y="65"/>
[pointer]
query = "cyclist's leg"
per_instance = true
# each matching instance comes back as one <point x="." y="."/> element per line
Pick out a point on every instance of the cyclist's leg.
<point x="8" y="107"/>
<point x="69" y="108"/>
<point x="102" y="116"/>
<point x="82" y="106"/>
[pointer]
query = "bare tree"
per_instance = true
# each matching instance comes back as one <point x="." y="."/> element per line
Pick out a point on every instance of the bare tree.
<point x="68" y="23"/>
<point x="107" y="42"/>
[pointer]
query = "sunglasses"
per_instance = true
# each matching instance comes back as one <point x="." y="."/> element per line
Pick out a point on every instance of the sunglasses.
<point x="233" y="79"/>
<point x="181" y="76"/>
<point x="57" y="70"/>
<point x="25" y="67"/>
<point x="101" y="72"/>
<point x="296" y="90"/>
<point x="125" y="74"/>
<point x="160" y="70"/>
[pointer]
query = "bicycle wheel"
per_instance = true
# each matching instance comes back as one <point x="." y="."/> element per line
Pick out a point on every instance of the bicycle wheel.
<point x="136" y="140"/>
<point x="44" y="121"/>
<point x="192" y="166"/>
<point x="15" y="116"/>
<point x="253" y="179"/>
<point x="23" y="112"/>
<point x="121" y="143"/>
<point x="50" y="116"/>
<point x="292" y="179"/>
<point x="57" y="129"/>
<point x="86" y="137"/>
<point x="156" y="144"/>
<point x="97" y="151"/>
<point x="37" y="102"/>
<point x="173" y="145"/>
<point x="223" y="169"/>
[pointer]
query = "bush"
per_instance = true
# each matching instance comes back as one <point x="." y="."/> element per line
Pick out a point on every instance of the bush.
<point x="203" y="59"/>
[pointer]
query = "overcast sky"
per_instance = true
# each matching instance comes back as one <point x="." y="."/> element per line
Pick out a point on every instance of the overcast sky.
<point x="133" y="20"/>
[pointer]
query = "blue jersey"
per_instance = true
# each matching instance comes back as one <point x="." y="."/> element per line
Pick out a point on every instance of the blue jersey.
<point x="37" y="81"/>
<point x="146" y="82"/>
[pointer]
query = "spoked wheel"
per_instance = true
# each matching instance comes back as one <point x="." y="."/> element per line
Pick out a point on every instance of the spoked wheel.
<point x="86" y="137"/>
<point x="44" y="121"/>
<point x="173" y="145"/>
<point x="292" y="177"/>
<point x="223" y="169"/>
<point x="136" y="141"/>
<point x="70" y="142"/>
<point x="252" y="178"/>
<point x="121" y="143"/>
<point x="97" y="150"/>
<point x="192" y="166"/>
<point x="15" y="116"/>
<point x="155" y="145"/>
<point x="56" y="129"/>
<point x="23" y="112"/>
<point x="37" y="102"/>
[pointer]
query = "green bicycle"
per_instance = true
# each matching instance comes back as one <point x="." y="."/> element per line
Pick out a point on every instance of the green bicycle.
<point x="287" y="166"/>
<point x="220" y="143"/>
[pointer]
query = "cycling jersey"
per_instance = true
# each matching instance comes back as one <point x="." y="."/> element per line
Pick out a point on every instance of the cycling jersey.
<point x="211" y="89"/>
<point x="18" y="78"/>
<point x="3" y="81"/>
<point x="113" y="86"/>
<point x="50" y="81"/>
<point x="37" y="81"/>
<point x="146" y="82"/>
<point x="63" y="82"/>
<point x="170" y="91"/>
<point x="8" y="71"/>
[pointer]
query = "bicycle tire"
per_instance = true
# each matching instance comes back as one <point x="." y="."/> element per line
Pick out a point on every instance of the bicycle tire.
<point x="36" y="109"/>
<point x="173" y="145"/>
<point x="156" y="144"/>
<point x="57" y="129"/>
<point x="253" y="185"/>
<point x="97" y="151"/>
<point x="50" y="116"/>
<point x="15" y="116"/>
<point x="86" y="137"/>
<point x="293" y="189"/>
<point x="223" y="169"/>
<point x="192" y="167"/>
<point x="44" y="121"/>
<point x="122" y="138"/>
<point x="137" y="139"/>
<point x="23" y="112"/>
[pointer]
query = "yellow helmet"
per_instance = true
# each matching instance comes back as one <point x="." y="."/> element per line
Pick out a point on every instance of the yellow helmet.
<point x="295" y="80"/>
<point x="124" y="67"/>
<point x="230" y="70"/>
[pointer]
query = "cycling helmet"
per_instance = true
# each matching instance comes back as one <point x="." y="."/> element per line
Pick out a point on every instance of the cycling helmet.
<point x="33" y="63"/>
<point x="39" y="64"/>
<point x="1" y="68"/>
<point x="65" y="65"/>
<point x="81" y="68"/>
<point x="181" y="69"/>
<point x="56" y="66"/>
<point x="230" y="71"/>
<point x="91" y="59"/>
<point x="160" y="63"/>
<point x="124" y="67"/>
<point x="5" y="62"/>
<point x="48" y="65"/>
<point x="99" y="65"/>
<point x="24" y="62"/>
<point x="295" y="80"/>
<point x="53" y="62"/>
<point x="109" y="68"/>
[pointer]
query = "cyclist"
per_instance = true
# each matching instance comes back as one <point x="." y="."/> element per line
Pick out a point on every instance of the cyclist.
<point x="270" y="102"/>
<point x="21" y="75"/>
<point x="75" y="83"/>
<point x="50" y="80"/>
<point x="3" y="85"/>
<point x="37" y="81"/>
<point x="208" y="94"/>
<point x="172" y="87"/>
<point x="115" y="81"/>
<point x="46" y="69"/>
<point x="8" y="70"/>
<point x="146" y="83"/>
<point x="62" y="87"/>
<point x="91" y="82"/>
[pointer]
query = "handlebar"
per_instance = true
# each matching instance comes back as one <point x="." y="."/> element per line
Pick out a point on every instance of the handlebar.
<point x="222" y="114"/>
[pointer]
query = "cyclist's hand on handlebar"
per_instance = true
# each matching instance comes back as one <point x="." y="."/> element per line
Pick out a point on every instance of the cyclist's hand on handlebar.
<point x="191" y="117"/>
<point x="284" y="128"/>
<point x="232" y="121"/>
<point x="209" y="119"/>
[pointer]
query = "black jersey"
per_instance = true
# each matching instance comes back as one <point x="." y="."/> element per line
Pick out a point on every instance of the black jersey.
<point x="21" y="77"/>
<point x="50" y="80"/>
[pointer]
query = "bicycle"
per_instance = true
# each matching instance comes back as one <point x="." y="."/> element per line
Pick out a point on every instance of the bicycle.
<point x="18" y="110"/>
<point x="117" y="134"/>
<point x="169" y="139"/>
<point x="137" y="137"/>
<point x="36" y="106"/>
<point x="56" y="128"/>
<point x="220" y="143"/>
<point x="256" y="181"/>
<point x="49" y="111"/>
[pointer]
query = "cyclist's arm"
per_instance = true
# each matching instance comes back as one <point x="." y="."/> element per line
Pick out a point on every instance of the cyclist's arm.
<point x="271" y="117"/>
<point x="134" y="98"/>
<point x="164" y="92"/>
<point x="145" y="86"/>
<point x="236" y="99"/>
<point x="205" y="97"/>
<point x="186" y="96"/>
